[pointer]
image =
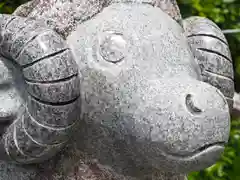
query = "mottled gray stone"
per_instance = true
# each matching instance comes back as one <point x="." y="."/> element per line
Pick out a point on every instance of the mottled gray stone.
<point x="214" y="63"/>
<point x="140" y="98"/>
<point x="122" y="90"/>
<point x="202" y="26"/>
<point x="41" y="134"/>
<point x="18" y="34"/>
<point x="210" y="44"/>
<point x="61" y="116"/>
<point x="24" y="9"/>
<point x="65" y="15"/>
<point x="28" y="140"/>
<point x="210" y="48"/>
<point x="11" y="99"/>
<point x="52" y="93"/>
<point x="39" y="71"/>
<point x="51" y="44"/>
<point x="224" y="84"/>
<point x="12" y="172"/>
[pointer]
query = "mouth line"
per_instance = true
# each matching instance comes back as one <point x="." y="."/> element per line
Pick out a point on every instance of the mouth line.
<point x="197" y="151"/>
<point x="203" y="148"/>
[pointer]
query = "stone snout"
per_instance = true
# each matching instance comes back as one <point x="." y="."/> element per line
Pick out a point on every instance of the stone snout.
<point x="181" y="125"/>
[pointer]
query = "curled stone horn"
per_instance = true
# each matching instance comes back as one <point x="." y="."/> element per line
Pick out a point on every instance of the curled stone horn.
<point x="211" y="49"/>
<point x="53" y="89"/>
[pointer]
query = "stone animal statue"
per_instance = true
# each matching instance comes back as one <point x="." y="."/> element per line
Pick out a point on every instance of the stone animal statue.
<point x="111" y="89"/>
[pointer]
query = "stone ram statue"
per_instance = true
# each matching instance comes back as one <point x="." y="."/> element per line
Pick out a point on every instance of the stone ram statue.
<point x="111" y="90"/>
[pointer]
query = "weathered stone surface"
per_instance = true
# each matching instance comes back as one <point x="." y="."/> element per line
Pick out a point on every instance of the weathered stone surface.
<point x="211" y="44"/>
<point x="51" y="44"/>
<point x="10" y="98"/>
<point x="210" y="48"/>
<point x="197" y="26"/>
<point x="31" y="137"/>
<point x="214" y="63"/>
<point x="65" y="15"/>
<point x="126" y="97"/>
<point x="12" y="172"/>
<point x="144" y="111"/>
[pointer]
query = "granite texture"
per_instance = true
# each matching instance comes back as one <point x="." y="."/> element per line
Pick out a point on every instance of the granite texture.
<point x="33" y="138"/>
<point x="65" y="15"/>
<point x="210" y="48"/>
<point x="111" y="89"/>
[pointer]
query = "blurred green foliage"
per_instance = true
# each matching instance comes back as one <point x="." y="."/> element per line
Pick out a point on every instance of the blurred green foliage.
<point x="226" y="13"/>
<point x="8" y="6"/>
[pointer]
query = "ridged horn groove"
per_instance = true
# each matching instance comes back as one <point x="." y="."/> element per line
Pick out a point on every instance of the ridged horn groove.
<point x="50" y="72"/>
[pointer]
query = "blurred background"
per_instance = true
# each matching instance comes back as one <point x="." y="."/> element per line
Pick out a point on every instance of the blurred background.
<point x="226" y="13"/>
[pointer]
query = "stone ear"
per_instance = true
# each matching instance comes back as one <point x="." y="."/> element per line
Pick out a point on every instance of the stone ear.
<point x="210" y="48"/>
<point x="53" y="89"/>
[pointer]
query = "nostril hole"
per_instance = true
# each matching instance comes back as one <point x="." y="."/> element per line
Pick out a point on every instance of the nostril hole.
<point x="191" y="106"/>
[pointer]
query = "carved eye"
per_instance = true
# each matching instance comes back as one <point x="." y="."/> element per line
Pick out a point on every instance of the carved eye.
<point x="112" y="46"/>
<point x="191" y="105"/>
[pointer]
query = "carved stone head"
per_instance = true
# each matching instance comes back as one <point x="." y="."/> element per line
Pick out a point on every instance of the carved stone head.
<point x="143" y="99"/>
